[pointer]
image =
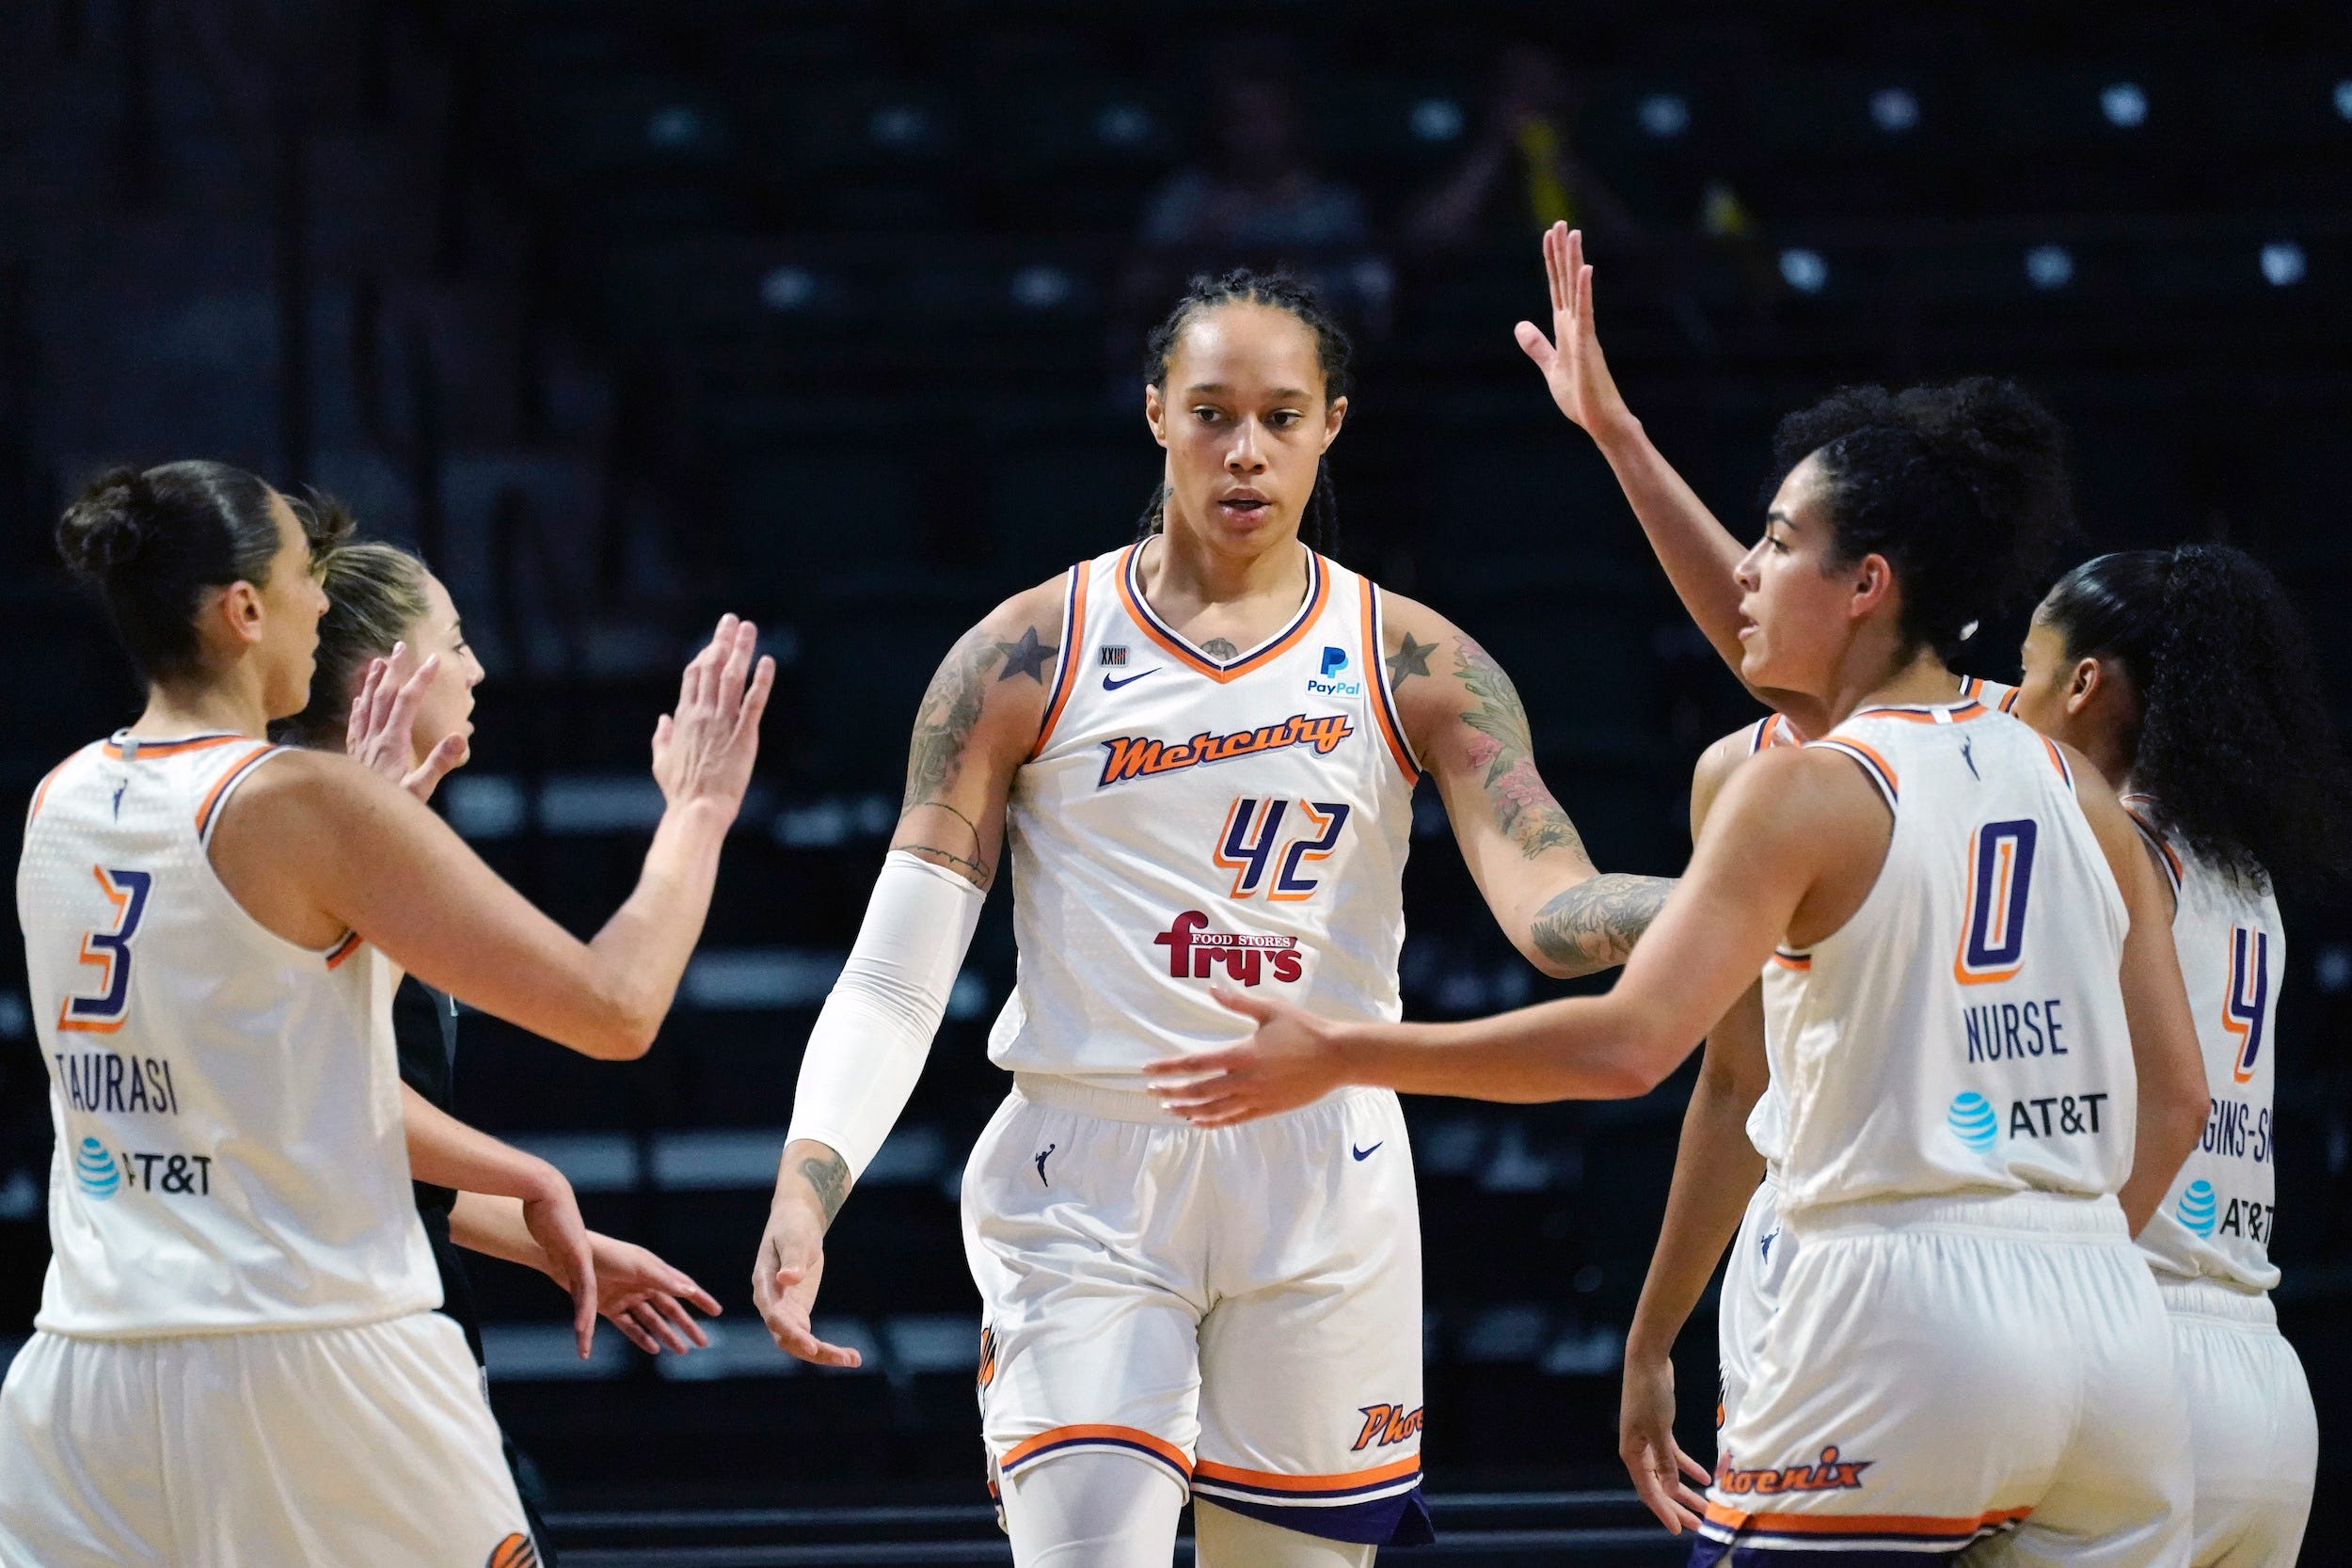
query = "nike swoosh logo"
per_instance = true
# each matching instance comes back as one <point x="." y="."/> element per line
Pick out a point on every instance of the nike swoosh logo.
<point x="1110" y="685"/>
<point x="1366" y="1153"/>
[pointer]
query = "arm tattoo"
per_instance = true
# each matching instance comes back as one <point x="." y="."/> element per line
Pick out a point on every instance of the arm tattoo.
<point x="944" y="723"/>
<point x="1410" y="659"/>
<point x="1523" y="807"/>
<point x="1027" y="657"/>
<point x="1594" y="923"/>
<point x="828" y="1177"/>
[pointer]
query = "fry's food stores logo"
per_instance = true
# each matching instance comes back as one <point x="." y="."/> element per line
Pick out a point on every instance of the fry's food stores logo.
<point x="1193" y="950"/>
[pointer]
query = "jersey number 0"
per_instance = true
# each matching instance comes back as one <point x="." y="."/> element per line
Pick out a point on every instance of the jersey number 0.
<point x="2000" y="877"/>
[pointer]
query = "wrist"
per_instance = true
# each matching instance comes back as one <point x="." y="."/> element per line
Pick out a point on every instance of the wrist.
<point x="540" y="1181"/>
<point x="1619" y="435"/>
<point x="704" y="815"/>
<point x="1646" y="1346"/>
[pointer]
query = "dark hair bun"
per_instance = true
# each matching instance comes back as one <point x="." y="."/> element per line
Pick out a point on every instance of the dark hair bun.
<point x="105" y="530"/>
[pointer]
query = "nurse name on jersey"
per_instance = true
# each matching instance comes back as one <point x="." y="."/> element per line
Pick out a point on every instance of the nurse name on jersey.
<point x="1992" y="952"/>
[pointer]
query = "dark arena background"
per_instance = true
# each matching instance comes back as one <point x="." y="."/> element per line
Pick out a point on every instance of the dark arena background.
<point x="626" y="313"/>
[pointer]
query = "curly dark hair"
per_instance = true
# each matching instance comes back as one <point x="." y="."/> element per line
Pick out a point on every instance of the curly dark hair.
<point x="2235" y="746"/>
<point x="1283" y="292"/>
<point x="1963" y="488"/>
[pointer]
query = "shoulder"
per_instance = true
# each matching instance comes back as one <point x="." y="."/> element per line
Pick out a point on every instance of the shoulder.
<point x="1714" y="766"/>
<point x="290" y="785"/>
<point x="1807" y="788"/>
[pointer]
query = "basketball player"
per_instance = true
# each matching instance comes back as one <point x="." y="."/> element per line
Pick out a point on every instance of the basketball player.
<point x="237" y="1361"/>
<point x="1202" y="749"/>
<point x="393" y="687"/>
<point x="1964" y="949"/>
<point x="2184" y="675"/>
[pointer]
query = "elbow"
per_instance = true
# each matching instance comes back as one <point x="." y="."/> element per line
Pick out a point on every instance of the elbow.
<point x="623" y="1026"/>
<point x="1637" y="1073"/>
<point x="2186" y="1115"/>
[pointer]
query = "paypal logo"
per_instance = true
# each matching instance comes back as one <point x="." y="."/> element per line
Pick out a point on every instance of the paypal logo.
<point x="1328" y="684"/>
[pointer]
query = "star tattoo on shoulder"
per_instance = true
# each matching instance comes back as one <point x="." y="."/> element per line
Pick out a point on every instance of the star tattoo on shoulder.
<point x="1027" y="657"/>
<point x="1411" y="660"/>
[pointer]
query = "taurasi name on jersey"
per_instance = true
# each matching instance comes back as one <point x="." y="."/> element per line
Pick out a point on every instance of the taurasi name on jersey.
<point x="1130" y="756"/>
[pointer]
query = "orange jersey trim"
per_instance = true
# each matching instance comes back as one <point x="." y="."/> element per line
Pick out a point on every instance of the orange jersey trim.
<point x="1391" y="726"/>
<point x="1799" y="961"/>
<point x="1396" y="1470"/>
<point x="341" y="950"/>
<point x="1882" y="773"/>
<point x="1183" y="652"/>
<point x="2057" y="760"/>
<point x="41" y="791"/>
<point x="174" y="748"/>
<point x="1056" y="1436"/>
<point x="2148" y="831"/>
<point x="1925" y="1526"/>
<point x="212" y="796"/>
<point x="1066" y="677"/>
<point x="1957" y="714"/>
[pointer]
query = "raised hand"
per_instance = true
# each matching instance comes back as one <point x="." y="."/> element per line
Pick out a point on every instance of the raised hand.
<point x="704" y="750"/>
<point x="383" y="720"/>
<point x="1570" y="359"/>
<point x="1646" y="1441"/>
<point x="554" y="1221"/>
<point x="646" y="1299"/>
<point x="1291" y="1060"/>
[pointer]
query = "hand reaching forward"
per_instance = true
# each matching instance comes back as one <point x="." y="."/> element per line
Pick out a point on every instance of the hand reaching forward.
<point x="383" y="717"/>
<point x="704" y="750"/>
<point x="646" y="1299"/>
<point x="1291" y="1060"/>
<point x="554" y="1221"/>
<point x="1570" y="359"/>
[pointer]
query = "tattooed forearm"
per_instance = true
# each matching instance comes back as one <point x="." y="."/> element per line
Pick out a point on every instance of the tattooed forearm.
<point x="828" y="1177"/>
<point x="1594" y="923"/>
<point x="944" y="722"/>
<point x="1504" y="751"/>
<point x="971" y="870"/>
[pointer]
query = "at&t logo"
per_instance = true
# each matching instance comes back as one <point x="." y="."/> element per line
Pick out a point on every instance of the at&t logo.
<point x="95" y="1171"/>
<point x="1972" y="1121"/>
<point x="2197" y="1207"/>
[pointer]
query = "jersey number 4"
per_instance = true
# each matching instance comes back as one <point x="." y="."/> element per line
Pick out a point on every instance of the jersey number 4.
<point x="2001" y="876"/>
<point x="2244" y="1009"/>
<point x="109" y="949"/>
<point x="1255" y="849"/>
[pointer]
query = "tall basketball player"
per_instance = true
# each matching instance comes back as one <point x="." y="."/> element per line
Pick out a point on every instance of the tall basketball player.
<point x="1202" y="749"/>
<point x="1974" y="1018"/>
<point x="237" y="1360"/>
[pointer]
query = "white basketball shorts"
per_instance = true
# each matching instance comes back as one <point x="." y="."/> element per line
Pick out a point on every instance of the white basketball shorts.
<point x="1949" y="1373"/>
<point x="2253" y="1433"/>
<point x="366" y="1448"/>
<point x="1750" y="1295"/>
<point x="1241" y="1305"/>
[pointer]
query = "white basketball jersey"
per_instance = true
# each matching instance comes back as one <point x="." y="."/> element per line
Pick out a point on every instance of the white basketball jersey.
<point x="231" y="1153"/>
<point x="1767" y="1124"/>
<point x="2216" y="1221"/>
<point x="1187" y="820"/>
<point x="1964" y="1030"/>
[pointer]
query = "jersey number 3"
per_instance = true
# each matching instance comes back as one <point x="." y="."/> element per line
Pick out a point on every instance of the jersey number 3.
<point x="1253" y="848"/>
<point x="110" y="951"/>
<point x="2001" y="876"/>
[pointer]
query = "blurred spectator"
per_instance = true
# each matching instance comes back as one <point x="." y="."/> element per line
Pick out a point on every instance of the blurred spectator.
<point x="1257" y="199"/>
<point x="1521" y="175"/>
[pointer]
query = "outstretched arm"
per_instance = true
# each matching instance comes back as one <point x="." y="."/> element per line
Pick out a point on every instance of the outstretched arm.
<point x="975" y="725"/>
<point x="314" y="845"/>
<point x="1697" y="552"/>
<point x="1796" y="841"/>
<point x="1470" y="730"/>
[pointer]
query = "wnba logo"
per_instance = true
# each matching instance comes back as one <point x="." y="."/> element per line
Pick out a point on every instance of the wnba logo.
<point x="94" y="1170"/>
<point x="2197" y="1207"/>
<point x="1972" y="1121"/>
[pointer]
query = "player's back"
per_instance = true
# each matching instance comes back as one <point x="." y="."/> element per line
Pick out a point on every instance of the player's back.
<point x="230" y="1145"/>
<point x="1964" y="1030"/>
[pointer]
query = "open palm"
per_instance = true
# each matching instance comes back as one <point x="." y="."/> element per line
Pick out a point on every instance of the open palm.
<point x="1570" y="359"/>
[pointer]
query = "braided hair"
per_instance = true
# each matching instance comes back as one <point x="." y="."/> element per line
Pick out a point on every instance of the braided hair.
<point x="1296" y="297"/>
<point x="2233" y="743"/>
<point x="1963" y="488"/>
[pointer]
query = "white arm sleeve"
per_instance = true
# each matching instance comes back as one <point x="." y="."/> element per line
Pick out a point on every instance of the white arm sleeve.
<point x="875" y="1028"/>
